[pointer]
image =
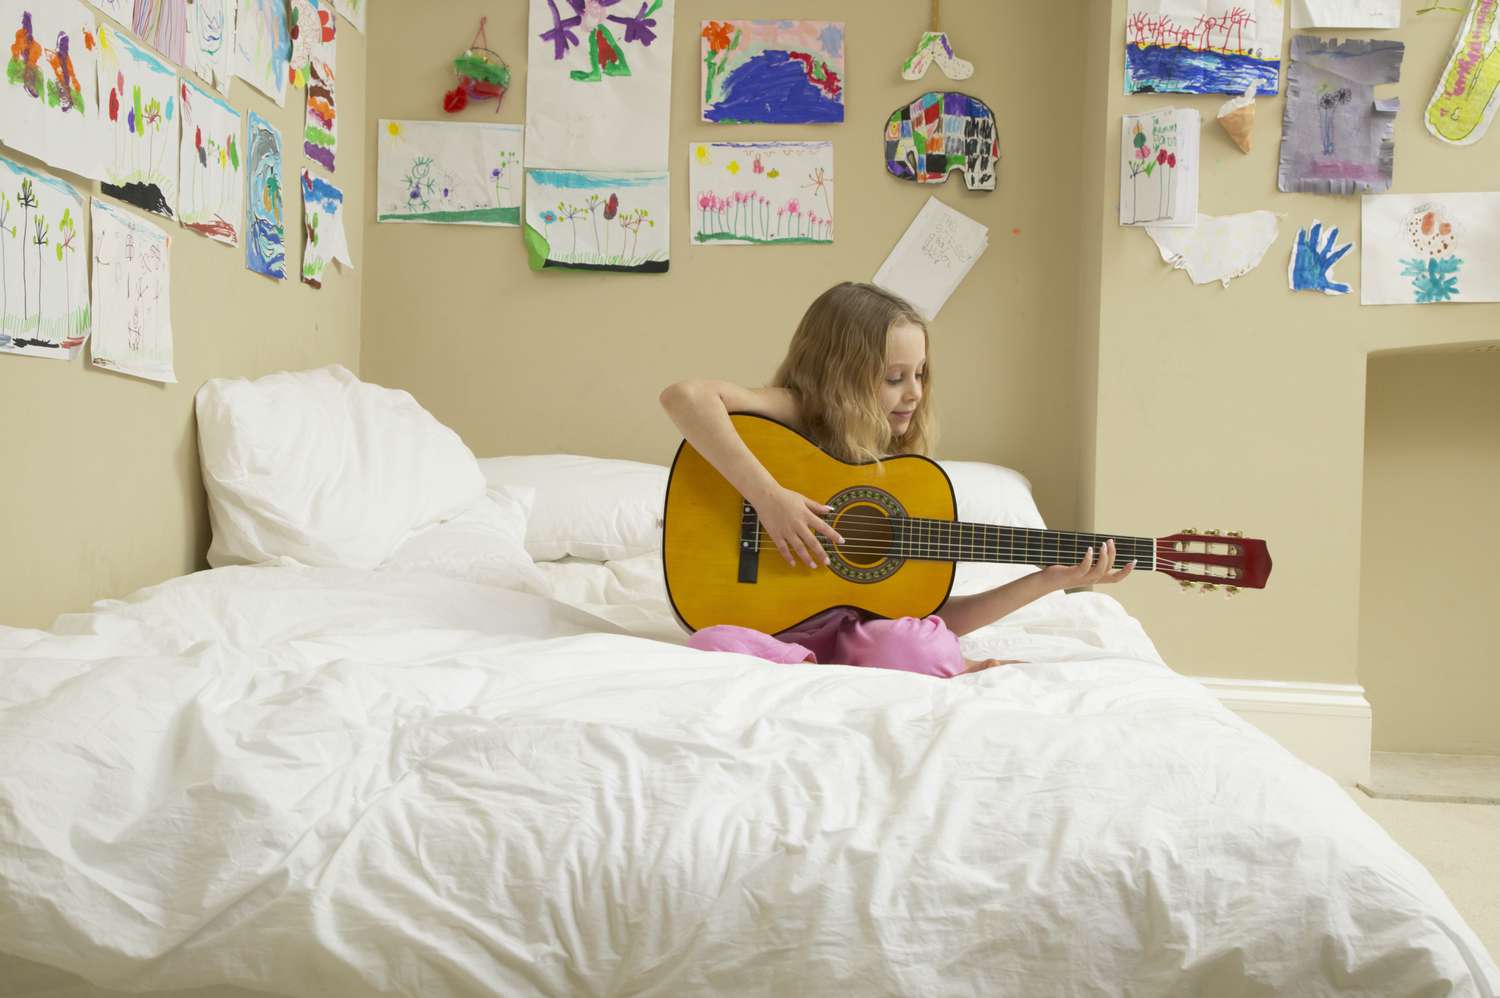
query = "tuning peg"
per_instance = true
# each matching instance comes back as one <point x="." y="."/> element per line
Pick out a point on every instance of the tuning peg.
<point x="1187" y="586"/>
<point x="1230" y="591"/>
<point x="1209" y="587"/>
<point x="1211" y="533"/>
<point x="1236" y="533"/>
<point x="1191" y="530"/>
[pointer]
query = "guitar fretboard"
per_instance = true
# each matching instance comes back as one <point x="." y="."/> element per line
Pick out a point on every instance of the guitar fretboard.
<point x="952" y="540"/>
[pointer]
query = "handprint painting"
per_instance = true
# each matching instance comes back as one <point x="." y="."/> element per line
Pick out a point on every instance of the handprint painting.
<point x="1425" y="249"/>
<point x="1313" y="258"/>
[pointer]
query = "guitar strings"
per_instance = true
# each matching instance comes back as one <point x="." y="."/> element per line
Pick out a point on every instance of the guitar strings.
<point x="911" y="550"/>
<point x="927" y="523"/>
<point x="912" y="535"/>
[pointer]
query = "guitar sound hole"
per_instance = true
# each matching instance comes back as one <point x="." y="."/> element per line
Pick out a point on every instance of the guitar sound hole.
<point x="864" y="519"/>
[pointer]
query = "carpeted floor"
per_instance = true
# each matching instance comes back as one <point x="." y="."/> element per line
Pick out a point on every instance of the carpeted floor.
<point x="1458" y="843"/>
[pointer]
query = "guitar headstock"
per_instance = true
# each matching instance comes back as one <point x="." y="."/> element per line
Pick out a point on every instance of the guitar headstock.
<point x="1219" y="562"/>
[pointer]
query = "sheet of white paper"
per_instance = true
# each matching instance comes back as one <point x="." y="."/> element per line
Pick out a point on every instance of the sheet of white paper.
<point x="132" y="299"/>
<point x="353" y="11"/>
<point x="1159" y="167"/>
<point x="263" y="47"/>
<point x="599" y="85"/>
<point x="585" y="220"/>
<point x="37" y="117"/>
<point x="44" y="289"/>
<point x="139" y="92"/>
<point x="933" y="257"/>
<point x="323" y="236"/>
<point x="210" y="41"/>
<point x="450" y="172"/>
<point x="761" y="193"/>
<point x="1419" y="249"/>
<point x="211" y="178"/>
<point x="1218" y="248"/>
<point x="1346" y="14"/>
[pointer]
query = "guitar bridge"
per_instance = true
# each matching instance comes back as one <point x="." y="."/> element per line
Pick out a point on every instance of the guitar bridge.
<point x="749" y="543"/>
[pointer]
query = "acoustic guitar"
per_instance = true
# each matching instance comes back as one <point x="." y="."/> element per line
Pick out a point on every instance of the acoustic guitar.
<point x="901" y="540"/>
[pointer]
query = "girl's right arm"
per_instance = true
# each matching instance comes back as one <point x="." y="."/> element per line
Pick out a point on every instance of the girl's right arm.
<point x="701" y="411"/>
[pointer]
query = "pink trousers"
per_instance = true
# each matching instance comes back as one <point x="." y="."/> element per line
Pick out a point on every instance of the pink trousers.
<point x="842" y="636"/>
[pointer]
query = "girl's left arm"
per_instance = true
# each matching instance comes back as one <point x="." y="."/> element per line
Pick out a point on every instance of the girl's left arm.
<point x="963" y="614"/>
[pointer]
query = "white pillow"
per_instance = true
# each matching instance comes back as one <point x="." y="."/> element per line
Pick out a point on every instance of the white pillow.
<point x="485" y="543"/>
<point x="588" y="507"/>
<point x="990" y="493"/>
<point x="323" y="468"/>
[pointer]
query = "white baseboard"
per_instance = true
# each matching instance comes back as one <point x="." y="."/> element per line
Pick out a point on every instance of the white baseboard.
<point x="1325" y="724"/>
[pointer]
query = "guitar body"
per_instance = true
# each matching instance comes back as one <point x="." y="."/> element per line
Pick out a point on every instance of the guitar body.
<point x="721" y="569"/>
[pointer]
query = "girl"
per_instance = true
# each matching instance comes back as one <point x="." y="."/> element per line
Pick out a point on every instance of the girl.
<point x="856" y="379"/>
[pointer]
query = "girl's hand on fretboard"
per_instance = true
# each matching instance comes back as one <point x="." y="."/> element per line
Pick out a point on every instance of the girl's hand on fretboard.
<point x="1089" y="571"/>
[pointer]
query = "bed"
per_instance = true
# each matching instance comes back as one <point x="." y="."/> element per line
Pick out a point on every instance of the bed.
<point x="462" y="770"/>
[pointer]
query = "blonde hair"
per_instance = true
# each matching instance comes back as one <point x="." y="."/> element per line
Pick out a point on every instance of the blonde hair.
<point x="834" y="367"/>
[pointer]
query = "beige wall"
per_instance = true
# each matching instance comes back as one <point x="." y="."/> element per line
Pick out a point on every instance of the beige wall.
<point x="100" y="485"/>
<point x="1429" y="635"/>
<point x="523" y="362"/>
<point x="1244" y="408"/>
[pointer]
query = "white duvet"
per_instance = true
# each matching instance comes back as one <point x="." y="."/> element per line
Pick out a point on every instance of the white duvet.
<point x="332" y="782"/>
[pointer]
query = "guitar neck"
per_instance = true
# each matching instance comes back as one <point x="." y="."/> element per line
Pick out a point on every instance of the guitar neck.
<point x="950" y="540"/>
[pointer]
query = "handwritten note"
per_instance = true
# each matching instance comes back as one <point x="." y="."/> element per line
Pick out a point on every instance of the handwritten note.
<point x="933" y="257"/>
<point x="1346" y="14"/>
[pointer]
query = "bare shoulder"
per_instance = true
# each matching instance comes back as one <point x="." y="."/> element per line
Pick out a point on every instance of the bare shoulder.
<point x="777" y="403"/>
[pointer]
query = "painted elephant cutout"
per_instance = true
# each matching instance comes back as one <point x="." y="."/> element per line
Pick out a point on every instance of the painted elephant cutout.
<point x="943" y="131"/>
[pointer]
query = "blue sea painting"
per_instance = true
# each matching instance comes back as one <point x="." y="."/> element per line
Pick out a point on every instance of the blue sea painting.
<point x="780" y="72"/>
<point x="1184" y="71"/>
<point x="265" y="226"/>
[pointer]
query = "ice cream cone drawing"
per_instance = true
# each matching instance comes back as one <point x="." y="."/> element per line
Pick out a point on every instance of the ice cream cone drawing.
<point x="1237" y="118"/>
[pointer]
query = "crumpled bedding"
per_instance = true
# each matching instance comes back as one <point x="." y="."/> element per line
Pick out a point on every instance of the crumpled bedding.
<point x="304" y="781"/>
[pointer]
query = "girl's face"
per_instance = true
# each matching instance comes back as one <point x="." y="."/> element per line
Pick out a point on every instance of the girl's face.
<point x="905" y="371"/>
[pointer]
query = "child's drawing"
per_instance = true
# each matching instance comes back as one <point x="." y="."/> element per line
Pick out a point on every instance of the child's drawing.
<point x="263" y="47"/>
<point x="210" y="41"/>
<point x="48" y="106"/>
<point x="1346" y="14"/>
<point x="1336" y="138"/>
<point x="762" y="193"/>
<point x="323" y="234"/>
<point x="139" y="95"/>
<point x="44" y="291"/>
<point x="447" y="172"/>
<point x="1468" y="93"/>
<point x="599" y="84"/>
<point x="163" y="25"/>
<point x="353" y="11"/>
<point x="320" y="131"/>
<point x="120" y="10"/>
<point x="265" y="221"/>
<point x="781" y="72"/>
<point x="1422" y="249"/>
<point x="1203" y="46"/>
<point x="312" y="28"/>
<point x="597" y="221"/>
<point x="132" y="295"/>
<point x="1311" y="266"/>
<point x="213" y="183"/>
<point x="1158" y="168"/>
<point x="583" y="35"/>
<point x="940" y="132"/>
